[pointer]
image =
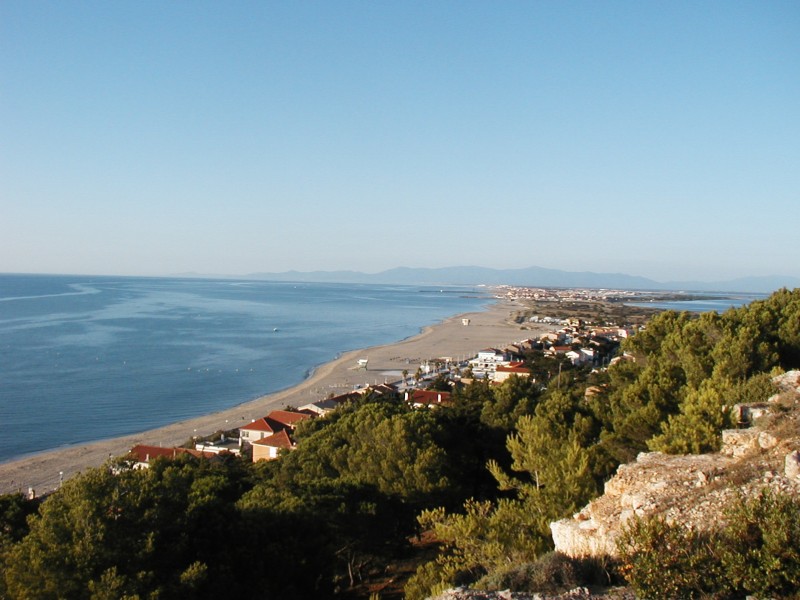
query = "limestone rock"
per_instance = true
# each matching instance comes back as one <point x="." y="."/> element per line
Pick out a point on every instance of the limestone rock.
<point x="767" y="440"/>
<point x="579" y="593"/>
<point x="788" y="382"/>
<point x="739" y="442"/>
<point x="791" y="468"/>
<point x="691" y="490"/>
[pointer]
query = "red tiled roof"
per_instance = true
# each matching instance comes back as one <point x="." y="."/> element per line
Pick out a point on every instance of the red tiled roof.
<point x="261" y="425"/>
<point x="286" y="418"/>
<point x="428" y="397"/>
<point x="513" y="368"/>
<point x="144" y="453"/>
<point x="345" y="397"/>
<point x="279" y="440"/>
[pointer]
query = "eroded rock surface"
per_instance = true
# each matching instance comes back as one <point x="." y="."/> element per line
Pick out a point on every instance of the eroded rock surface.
<point x="695" y="489"/>
<point x="580" y="593"/>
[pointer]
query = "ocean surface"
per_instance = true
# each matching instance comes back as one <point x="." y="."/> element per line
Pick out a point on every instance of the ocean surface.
<point x="88" y="358"/>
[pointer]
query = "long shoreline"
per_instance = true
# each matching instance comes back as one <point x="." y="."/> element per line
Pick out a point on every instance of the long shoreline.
<point x="493" y="326"/>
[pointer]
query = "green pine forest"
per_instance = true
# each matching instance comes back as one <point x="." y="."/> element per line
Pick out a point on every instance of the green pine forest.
<point x="463" y="494"/>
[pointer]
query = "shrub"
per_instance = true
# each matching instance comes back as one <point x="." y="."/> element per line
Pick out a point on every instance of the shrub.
<point x="756" y="552"/>
<point x="429" y="580"/>
<point x="666" y="561"/>
<point x="760" y="547"/>
<point x="552" y="572"/>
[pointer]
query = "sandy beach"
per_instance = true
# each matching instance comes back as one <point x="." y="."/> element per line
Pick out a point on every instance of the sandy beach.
<point x="450" y="338"/>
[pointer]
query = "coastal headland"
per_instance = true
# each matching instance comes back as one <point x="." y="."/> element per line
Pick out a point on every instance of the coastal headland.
<point x="494" y="326"/>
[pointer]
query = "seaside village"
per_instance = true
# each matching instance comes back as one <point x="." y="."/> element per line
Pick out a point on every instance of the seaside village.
<point x="570" y="342"/>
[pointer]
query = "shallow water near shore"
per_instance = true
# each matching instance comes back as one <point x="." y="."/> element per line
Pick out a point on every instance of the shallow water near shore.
<point x="87" y="358"/>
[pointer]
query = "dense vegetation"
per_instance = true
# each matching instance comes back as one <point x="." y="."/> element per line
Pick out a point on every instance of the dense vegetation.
<point x="365" y="481"/>
<point x="757" y="551"/>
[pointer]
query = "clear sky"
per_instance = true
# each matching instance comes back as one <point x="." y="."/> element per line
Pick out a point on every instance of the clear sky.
<point x="658" y="138"/>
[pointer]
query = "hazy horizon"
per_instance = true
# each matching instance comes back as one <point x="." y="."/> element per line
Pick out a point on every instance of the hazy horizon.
<point x="764" y="284"/>
<point x="149" y="139"/>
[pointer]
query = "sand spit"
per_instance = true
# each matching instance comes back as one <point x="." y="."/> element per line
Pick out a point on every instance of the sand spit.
<point x="450" y="338"/>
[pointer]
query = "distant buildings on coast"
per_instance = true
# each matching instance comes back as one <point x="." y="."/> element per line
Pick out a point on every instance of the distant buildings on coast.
<point x="511" y="292"/>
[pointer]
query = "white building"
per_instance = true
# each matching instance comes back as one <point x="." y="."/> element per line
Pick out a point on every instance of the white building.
<point x="487" y="361"/>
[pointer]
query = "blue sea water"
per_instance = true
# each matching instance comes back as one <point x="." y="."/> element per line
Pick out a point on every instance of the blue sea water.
<point x="86" y="358"/>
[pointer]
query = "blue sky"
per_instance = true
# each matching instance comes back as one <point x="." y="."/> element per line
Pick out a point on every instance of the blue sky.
<point x="653" y="138"/>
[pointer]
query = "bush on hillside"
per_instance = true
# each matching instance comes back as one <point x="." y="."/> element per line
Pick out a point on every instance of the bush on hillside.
<point x="756" y="552"/>
<point x="552" y="572"/>
<point x="760" y="549"/>
<point x="665" y="561"/>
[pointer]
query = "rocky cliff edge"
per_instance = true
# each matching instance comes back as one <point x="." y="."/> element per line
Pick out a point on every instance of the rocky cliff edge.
<point x="695" y="489"/>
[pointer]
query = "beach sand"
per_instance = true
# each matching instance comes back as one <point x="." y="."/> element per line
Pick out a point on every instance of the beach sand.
<point x="450" y="338"/>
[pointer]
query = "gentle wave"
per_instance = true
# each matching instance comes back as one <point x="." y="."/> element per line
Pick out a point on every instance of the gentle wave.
<point x="82" y="291"/>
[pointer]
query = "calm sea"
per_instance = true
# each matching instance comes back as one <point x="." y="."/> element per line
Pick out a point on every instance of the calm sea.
<point x="85" y="358"/>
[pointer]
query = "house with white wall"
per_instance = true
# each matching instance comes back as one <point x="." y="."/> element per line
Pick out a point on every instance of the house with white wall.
<point x="487" y="361"/>
<point x="267" y="448"/>
<point x="273" y="423"/>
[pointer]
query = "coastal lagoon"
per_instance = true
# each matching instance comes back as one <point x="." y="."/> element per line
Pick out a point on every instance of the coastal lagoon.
<point x="710" y="301"/>
<point x="88" y="358"/>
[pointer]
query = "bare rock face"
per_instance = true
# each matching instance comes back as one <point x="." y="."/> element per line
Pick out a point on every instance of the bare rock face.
<point x="739" y="442"/>
<point x="692" y="490"/>
<point x="575" y="594"/>
<point x="791" y="468"/>
<point x="655" y="483"/>
<point x="788" y="382"/>
<point x="767" y="440"/>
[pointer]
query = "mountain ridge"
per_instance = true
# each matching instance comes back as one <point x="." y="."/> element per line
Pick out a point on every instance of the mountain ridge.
<point x="529" y="276"/>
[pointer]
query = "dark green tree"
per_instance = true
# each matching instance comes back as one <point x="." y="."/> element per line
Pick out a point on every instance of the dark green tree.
<point x="515" y="397"/>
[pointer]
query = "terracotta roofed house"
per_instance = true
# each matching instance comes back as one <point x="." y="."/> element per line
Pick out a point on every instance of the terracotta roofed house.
<point x="143" y="454"/>
<point x="267" y="448"/>
<point x="258" y="429"/>
<point x="503" y="372"/>
<point x="427" y="398"/>
<point x="287" y="418"/>
<point x="554" y="350"/>
<point x="322" y="407"/>
<point x="273" y="423"/>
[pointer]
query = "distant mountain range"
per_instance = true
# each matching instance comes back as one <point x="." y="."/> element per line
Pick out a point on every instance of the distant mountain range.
<point x="531" y="276"/>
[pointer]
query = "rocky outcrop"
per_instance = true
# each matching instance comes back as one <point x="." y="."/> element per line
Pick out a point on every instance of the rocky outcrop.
<point x="580" y="593"/>
<point x="694" y="489"/>
<point x="788" y="382"/>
